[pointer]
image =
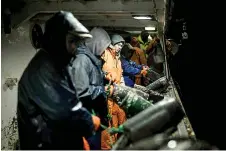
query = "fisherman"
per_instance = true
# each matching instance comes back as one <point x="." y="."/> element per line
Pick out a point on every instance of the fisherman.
<point x="130" y="68"/>
<point x="142" y="41"/>
<point x="155" y="55"/>
<point x="138" y="57"/>
<point x="112" y="64"/>
<point x="49" y="113"/>
<point x="88" y="78"/>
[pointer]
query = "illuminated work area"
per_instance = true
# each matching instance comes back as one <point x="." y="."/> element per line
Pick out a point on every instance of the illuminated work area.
<point x="95" y="75"/>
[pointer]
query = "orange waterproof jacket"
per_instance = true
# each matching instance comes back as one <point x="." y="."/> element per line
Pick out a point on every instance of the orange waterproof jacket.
<point x="139" y="58"/>
<point x="113" y="64"/>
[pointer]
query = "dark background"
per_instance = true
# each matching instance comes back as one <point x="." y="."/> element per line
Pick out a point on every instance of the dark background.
<point x="198" y="69"/>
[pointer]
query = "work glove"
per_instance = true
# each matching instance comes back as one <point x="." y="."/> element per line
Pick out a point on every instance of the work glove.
<point x="96" y="122"/>
<point x="111" y="76"/>
<point x="109" y="90"/>
<point x="144" y="72"/>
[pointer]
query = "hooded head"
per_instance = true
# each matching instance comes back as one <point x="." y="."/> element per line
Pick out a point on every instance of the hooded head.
<point x="63" y="32"/>
<point x="117" y="41"/>
<point x="127" y="51"/>
<point x="144" y="36"/>
<point x="100" y="41"/>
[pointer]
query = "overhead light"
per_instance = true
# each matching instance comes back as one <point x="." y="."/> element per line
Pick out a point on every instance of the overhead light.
<point x="142" y="17"/>
<point x="149" y="28"/>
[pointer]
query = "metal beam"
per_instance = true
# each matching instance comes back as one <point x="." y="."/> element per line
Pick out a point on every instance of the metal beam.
<point x="121" y="23"/>
<point x="135" y="1"/>
<point x="124" y="1"/>
<point x="90" y="16"/>
<point x="110" y="23"/>
<point x="92" y="7"/>
<point x="124" y="28"/>
<point x="103" y="6"/>
<point x="27" y="12"/>
<point x="82" y="1"/>
<point x="138" y="32"/>
<point x="87" y="17"/>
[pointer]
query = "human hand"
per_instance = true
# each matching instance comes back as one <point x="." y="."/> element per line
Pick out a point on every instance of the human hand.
<point x="111" y="89"/>
<point x="145" y="67"/>
<point x="144" y="72"/>
<point x="111" y="76"/>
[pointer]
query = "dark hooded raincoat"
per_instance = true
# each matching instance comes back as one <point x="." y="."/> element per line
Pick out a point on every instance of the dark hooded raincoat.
<point x="130" y="68"/>
<point x="87" y="76"/>
<point x="49" y="113"/>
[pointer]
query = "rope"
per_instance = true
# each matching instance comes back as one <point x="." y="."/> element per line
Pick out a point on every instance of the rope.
<point x="109" y="115"/>
<point x="108" y="93"/>
<point x="112" y="130"/>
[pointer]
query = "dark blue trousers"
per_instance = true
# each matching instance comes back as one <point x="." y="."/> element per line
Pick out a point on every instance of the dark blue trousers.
<point x="95" y="141"/>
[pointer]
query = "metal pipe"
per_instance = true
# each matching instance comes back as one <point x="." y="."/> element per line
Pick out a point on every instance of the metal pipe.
<point x="167" y="2"/>
<point x="166" y="15"/>
<point x="165" y="57"/>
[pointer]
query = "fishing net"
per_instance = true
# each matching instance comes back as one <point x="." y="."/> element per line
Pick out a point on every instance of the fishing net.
<point x="151" y="76"/>
<point x="130" y="100"/>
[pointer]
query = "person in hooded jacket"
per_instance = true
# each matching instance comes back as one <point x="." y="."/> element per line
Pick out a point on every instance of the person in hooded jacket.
<point x="138" y="57"/>
<point x="118" y="42"/>
<point x="155" y="55"/>
<point x="141" y="41"/>
<point x="49" y="112"/>
<point x="130" y="68"/>
<point x="111" y="59"/>
<point x="88" y="78"/>
<point x="112" y="64"/>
